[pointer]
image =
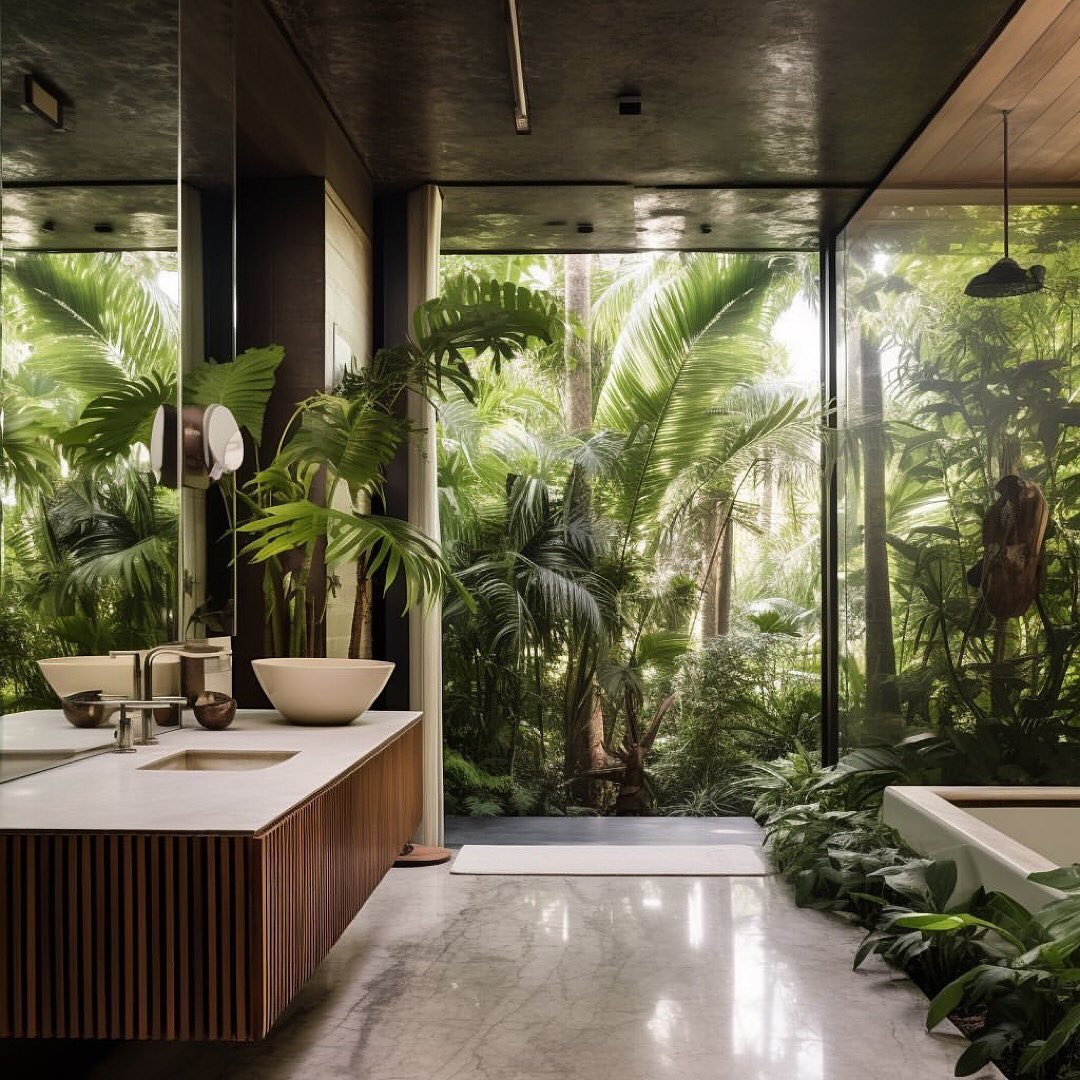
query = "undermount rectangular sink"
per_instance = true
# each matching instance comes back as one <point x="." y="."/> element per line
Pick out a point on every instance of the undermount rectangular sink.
<point x="221" y="760"/>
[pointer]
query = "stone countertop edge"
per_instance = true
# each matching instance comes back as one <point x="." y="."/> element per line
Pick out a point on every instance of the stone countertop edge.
<point x="113" y="793"/>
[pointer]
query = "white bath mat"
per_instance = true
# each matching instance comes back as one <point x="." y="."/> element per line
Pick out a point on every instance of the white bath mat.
<point x="614" y="860"/>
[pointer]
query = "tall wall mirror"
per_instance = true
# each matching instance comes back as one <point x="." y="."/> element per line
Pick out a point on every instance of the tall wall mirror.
<point x="116" y="281"/>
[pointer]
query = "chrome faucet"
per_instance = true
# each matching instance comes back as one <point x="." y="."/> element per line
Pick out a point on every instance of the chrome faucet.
<point x="136" y="674"/>
<point x="142" y="690"/>
<point x="125" y="743"/>
<point x="191" y="650"/>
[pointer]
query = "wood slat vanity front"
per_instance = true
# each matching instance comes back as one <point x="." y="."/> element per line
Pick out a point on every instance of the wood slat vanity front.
<point x="194" y="934"/>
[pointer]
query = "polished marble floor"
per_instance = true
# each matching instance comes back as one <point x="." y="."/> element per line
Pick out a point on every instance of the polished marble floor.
<point x="482" y="978"/>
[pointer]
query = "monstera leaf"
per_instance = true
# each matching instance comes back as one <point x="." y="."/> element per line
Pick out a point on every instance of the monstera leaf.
<point x="242" y="385"/>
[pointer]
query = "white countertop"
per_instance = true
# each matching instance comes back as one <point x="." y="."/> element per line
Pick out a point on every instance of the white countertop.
<point x="111" y="792"/>
<point x="48" y="730"/>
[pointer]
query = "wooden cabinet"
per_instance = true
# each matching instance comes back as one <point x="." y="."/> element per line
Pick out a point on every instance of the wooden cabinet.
<point x="194" y="936"/>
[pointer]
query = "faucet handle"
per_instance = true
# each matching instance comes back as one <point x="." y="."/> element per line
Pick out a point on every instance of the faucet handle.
<point x="124" y="732"/>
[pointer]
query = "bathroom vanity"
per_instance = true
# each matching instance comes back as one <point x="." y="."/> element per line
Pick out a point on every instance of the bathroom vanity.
<point x="188" y="890"/>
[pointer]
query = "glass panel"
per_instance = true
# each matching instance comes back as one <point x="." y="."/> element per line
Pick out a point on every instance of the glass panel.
<point x="636" y="509"/>
<point x="959" y="484"/>
<point x="91" y="340"/>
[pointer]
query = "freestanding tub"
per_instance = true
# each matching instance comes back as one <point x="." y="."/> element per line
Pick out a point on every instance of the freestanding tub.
<point x="996" y="835"/>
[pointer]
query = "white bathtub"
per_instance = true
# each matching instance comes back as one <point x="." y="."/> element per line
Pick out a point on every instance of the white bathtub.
<point x="996" y="835"/>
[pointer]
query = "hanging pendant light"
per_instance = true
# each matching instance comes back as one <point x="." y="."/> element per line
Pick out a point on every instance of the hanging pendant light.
<point x="1006" y="277"/>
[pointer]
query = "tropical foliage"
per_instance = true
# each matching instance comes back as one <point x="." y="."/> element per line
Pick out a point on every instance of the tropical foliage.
<point x="946" y="396"/>
<point x="591" y="544"/>
<point x="311" y="503"/>
<point x="1008" y="977"/>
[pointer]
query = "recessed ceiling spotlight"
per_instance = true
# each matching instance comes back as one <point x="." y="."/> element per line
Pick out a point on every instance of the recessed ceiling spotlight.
<point x="705" y="227"/>
<point x="522" y="124"/>
<point x="103" y="227"/>
<point x="584" y="227"/>
<point x="629" y="104"/>
<point x="43" y="100"/>
<point x="48" y="226"/>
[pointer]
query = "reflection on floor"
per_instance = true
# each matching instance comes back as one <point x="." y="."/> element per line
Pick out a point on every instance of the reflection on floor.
<point x="487" y="978"/>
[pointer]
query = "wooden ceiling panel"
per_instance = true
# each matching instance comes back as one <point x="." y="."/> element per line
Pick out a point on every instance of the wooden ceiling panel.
<point x="1033" y="69"/>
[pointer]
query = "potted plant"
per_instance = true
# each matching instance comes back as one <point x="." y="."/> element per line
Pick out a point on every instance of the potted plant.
<point x="310" y="507"/>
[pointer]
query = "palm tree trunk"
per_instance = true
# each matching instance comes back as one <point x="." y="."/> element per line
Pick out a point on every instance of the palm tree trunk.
<point x="726" y="582"/>
<point x="768" y="482"/>
<point x="583" y="737"/>
<point x="577" y="394"/>
<point x="360" y="613"/>
<point x="882" y="696"/>
<point x="585" y="734"/>
<point x="717" y="560"/>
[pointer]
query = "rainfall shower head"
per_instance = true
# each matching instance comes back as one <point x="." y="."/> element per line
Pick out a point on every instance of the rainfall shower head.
<point x="1006" y="277"/>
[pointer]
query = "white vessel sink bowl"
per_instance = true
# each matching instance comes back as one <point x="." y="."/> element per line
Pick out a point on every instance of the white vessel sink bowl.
<point x="321" y="691"/>
<point x="68" y="675"/>
<point x="221" y="760"/>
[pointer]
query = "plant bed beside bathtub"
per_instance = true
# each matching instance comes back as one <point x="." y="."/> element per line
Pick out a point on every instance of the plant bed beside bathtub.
<point x="1010" y="979"/>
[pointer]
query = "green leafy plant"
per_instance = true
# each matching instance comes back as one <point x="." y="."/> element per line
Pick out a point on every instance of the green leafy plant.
<point x="344" y="441"/>
<point x="1010" y="977"/>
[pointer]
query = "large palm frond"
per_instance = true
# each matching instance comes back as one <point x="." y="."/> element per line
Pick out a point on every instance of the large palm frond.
<point x="680" y="347"/>
<point x="97" y="321"/>
<point x="113" y="421"/>
<point x="28" y="460"/>
<point x="355" y="440"/>
<point x="387" y="544"/>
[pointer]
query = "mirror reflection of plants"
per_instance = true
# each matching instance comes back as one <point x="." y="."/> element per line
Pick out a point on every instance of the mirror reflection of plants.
<point x="89" y="540"/>
<point x="91" y="349"/>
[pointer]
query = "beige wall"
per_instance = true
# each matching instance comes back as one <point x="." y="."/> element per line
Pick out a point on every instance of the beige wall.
<point x="349" y="313"/>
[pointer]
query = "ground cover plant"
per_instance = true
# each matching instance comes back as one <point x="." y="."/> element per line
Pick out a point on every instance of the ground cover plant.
<point x="1008" y="977"/>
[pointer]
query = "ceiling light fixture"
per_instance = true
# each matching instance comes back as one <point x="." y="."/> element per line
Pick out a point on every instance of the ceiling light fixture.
<point x="39" y="98"/>
<point x="1006" y="277"/>
<point x="517" y="69"/>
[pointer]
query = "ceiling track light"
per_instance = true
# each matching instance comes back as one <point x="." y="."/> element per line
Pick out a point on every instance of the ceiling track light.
<point x="517" y="69"/>
<point x="1006" y="277"/>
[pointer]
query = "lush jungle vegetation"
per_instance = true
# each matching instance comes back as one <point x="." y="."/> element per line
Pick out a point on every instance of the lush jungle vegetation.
<point x="946" y="398"/>
<point x="632" y="510"/>
<point x="1006" y="976"/>
<point x="89" y="543"/>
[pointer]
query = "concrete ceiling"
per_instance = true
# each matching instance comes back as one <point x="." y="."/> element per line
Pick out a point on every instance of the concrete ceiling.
<point x="116" y="65"/>
<point x="788" y="110"/>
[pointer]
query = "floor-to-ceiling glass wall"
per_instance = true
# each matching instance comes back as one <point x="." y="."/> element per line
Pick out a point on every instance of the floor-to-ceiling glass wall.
<point x="634" y="512"/>
<point x="960" y="477"/>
